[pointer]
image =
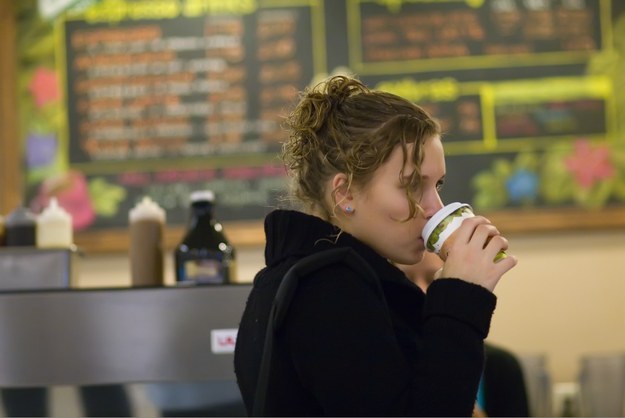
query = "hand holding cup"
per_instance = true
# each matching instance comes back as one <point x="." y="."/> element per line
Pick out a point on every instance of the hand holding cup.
<point x="472" y="248"/>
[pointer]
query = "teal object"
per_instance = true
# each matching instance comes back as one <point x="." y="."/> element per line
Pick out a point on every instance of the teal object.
<point x="480" y="395"/>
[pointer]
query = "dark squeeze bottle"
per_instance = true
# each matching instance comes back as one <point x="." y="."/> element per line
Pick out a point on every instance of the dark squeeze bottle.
<point x="20" y="228"/>
<point x="204" y="256"/>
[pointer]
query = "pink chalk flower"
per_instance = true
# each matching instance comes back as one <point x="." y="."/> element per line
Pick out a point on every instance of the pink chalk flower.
<point x="44" y="87"/>
<point x="590" y="165"/>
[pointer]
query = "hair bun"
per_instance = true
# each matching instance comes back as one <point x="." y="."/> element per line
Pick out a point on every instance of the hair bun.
<point x="339" y="88"/>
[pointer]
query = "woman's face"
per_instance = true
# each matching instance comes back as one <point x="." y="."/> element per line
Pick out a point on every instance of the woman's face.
<point x="382" y="205"/>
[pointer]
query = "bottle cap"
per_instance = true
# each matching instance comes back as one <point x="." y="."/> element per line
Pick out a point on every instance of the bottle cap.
<point x="20" y="216"/>
<point x="146" y="209"/>
<point x="435" y="231"/>
<point x="54" y="212"/>
<point x="203" y="196"/>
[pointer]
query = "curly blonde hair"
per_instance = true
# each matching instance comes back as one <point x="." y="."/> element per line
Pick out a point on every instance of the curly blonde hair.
<point x="341" y="126"/>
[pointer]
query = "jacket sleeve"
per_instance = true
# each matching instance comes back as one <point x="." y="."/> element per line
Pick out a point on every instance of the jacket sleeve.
<point x="344" y="347"/>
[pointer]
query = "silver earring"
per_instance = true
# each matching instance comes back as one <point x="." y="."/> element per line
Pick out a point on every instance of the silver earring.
<point x="349" y="209"/>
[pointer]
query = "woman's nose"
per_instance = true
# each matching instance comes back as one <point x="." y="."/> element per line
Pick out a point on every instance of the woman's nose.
<point x="432" y="205"/>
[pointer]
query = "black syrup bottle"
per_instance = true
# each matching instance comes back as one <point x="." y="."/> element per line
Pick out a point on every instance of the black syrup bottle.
<point x="204" y="256"/>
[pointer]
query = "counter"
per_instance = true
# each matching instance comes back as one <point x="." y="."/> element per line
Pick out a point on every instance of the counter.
<point x="100" y="336"/>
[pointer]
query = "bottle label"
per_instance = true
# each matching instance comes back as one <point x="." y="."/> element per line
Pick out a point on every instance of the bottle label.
<point x="205" y="271"/>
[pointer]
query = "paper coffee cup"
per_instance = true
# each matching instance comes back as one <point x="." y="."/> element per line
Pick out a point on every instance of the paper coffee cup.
<point x="438" y="231"/>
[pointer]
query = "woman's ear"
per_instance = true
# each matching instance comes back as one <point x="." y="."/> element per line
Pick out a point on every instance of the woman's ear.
<point x="342" y="194"/>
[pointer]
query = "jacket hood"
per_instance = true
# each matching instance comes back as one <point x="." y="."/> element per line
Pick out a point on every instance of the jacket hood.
<point x="295" y="234"/>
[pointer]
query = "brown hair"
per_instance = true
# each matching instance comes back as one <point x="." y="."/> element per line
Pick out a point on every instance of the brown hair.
<point x="341" y="126"/>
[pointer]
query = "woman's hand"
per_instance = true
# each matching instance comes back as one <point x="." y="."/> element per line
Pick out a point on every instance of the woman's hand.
<point x="471" y="251"/>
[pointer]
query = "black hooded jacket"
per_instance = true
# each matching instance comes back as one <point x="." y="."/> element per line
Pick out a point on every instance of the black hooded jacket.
<point x="344" y="350"/>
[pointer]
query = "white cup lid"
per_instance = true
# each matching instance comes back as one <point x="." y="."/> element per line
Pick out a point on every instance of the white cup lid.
<point x="437" y="218"/>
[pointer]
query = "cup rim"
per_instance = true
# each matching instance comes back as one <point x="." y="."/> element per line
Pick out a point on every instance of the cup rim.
<point x="437" y="218"/>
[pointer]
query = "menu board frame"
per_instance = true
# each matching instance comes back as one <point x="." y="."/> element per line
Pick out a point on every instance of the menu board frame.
<point x="10" y="168"/>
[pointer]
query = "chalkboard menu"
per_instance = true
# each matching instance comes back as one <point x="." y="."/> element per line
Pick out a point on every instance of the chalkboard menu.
<point x="164" y="97"/>
<point x="168" y="97"/>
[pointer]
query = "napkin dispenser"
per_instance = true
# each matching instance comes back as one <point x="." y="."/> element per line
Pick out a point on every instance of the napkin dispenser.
<point x="29" y="268"/>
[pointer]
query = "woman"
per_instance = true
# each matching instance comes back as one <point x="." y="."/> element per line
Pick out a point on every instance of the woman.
<point x="368" y="166"/>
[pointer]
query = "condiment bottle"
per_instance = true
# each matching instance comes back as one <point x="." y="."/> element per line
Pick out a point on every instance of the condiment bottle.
<point x="54" y="227"/>
<point x="20" y="227"/>
<point x="1" y="231"/>
<point x="147" y="222"/>
<point x="439" y="229"/>
<point x="204" y="256"/>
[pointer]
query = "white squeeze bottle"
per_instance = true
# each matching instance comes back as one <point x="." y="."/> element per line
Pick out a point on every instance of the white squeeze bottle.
<point x="54" y="227"/>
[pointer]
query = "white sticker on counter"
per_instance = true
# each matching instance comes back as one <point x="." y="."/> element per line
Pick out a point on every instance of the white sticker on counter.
<point x="223" y="340"/>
